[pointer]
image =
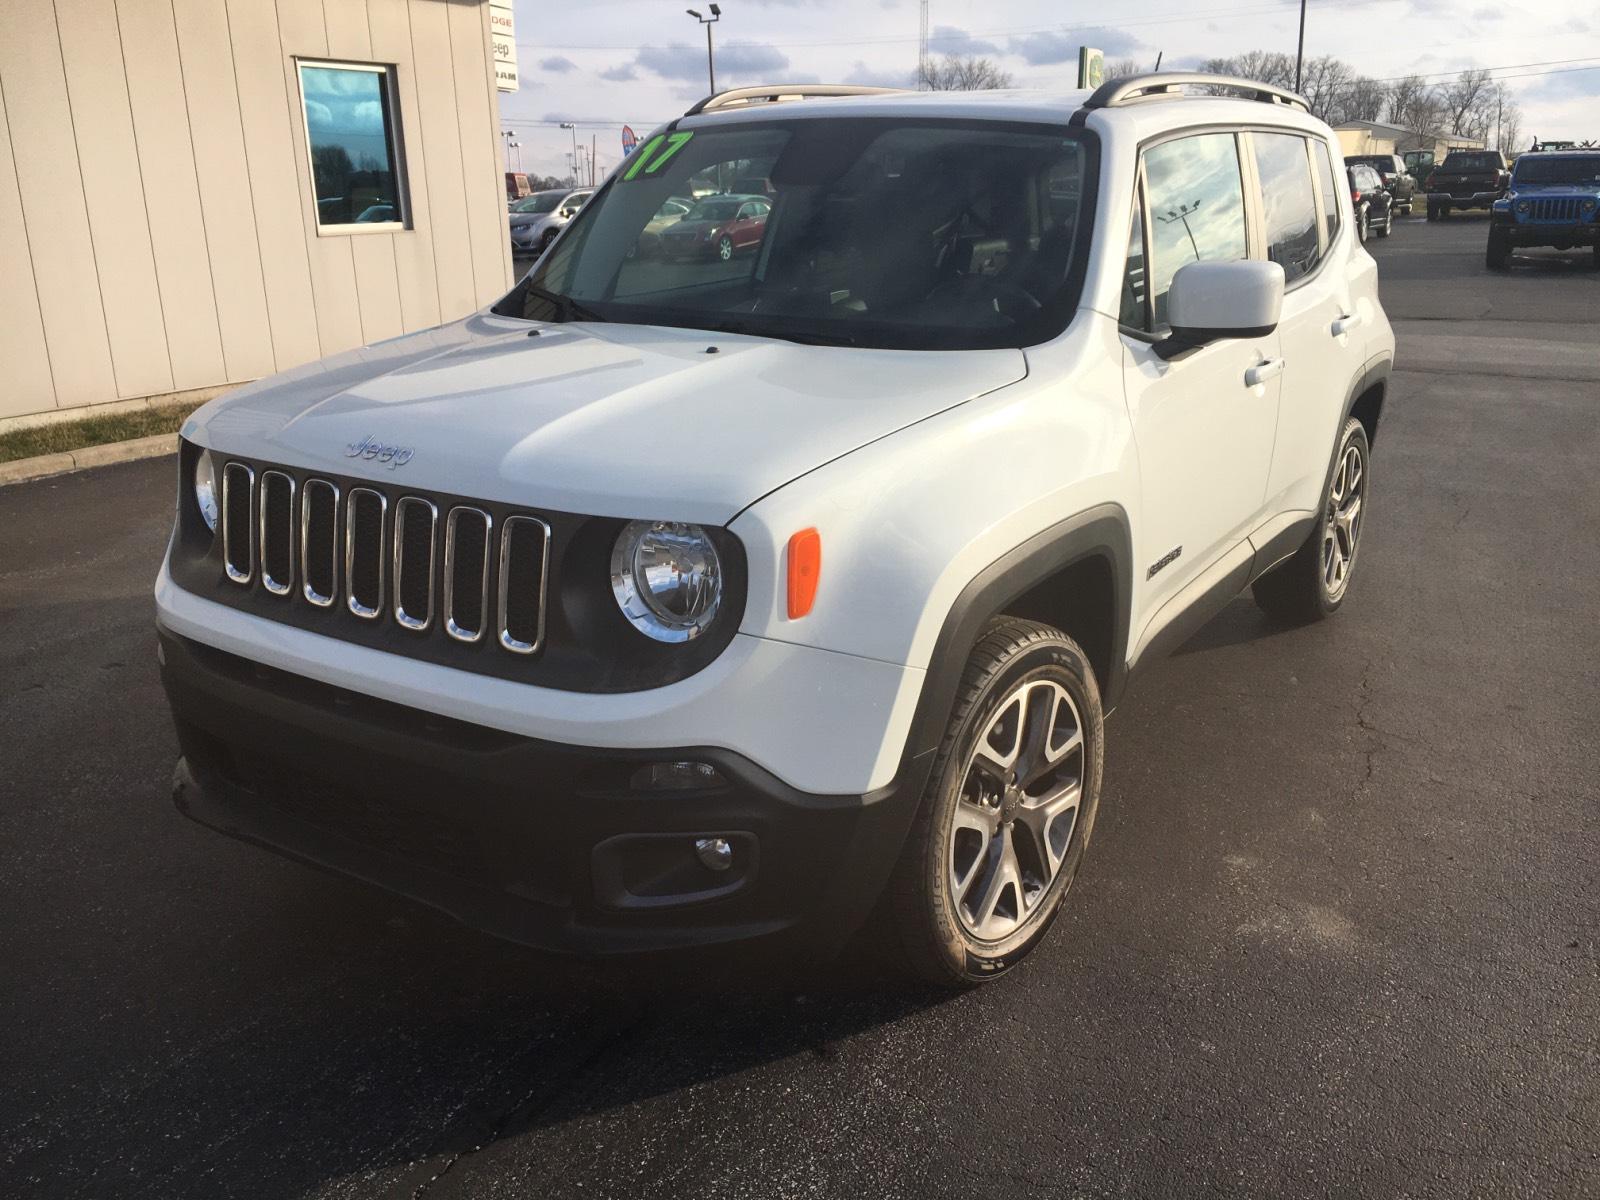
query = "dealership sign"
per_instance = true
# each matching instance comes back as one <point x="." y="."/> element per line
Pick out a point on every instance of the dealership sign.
<point x="629" y="140"/>
<point x="503" y="37"/>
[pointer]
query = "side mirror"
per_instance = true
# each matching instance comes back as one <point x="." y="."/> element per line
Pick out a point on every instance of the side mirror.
<point x="1209" y="301"/>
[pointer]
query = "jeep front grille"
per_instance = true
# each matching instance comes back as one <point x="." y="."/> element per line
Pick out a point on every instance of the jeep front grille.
<point x="404" y="558"/>
<point x="1564" y="209"/>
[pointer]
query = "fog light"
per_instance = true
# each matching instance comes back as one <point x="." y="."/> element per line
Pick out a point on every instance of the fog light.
<point x="675" y="777"/>
<point x="716" y="854"/>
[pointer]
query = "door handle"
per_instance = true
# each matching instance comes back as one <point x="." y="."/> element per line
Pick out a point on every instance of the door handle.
<point x="1263" y="371"/>
<point x="1346" y="323"/>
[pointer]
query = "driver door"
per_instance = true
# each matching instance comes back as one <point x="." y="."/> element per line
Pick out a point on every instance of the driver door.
<point x="1203" y="422"/>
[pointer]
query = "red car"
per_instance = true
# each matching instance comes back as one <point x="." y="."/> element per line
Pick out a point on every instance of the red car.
<point x="719" y="227"/>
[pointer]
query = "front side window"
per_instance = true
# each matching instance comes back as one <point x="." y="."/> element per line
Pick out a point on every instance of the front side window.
<point x="350" y="127"/>
<point x="539" y="202"/>
<point x="933" y="234"/>
<point x="1289" y="204"/>
<point x="1196" y="203"/>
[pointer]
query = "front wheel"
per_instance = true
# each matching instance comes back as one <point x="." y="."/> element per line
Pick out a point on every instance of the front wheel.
<point x="1498" y="254"/>
<point x="1008" y="811"/>
<point x="725" y="248"/>
<point x="1313" y="583"/>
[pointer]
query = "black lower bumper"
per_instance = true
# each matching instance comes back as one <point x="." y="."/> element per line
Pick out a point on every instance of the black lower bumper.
<point x="552" y="846"/>
<point x="1559" y="237"/>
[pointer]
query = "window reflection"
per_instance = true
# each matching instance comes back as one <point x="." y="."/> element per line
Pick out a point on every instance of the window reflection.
<point x="1290" y="214"/>
<point x="351" y="131"/>
<point x="1196" y="208"/>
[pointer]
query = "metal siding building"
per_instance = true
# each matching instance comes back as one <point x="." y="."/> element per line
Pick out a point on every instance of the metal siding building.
<point x="160" y="223"/>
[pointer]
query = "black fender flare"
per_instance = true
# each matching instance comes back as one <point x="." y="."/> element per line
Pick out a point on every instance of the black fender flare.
<point x="1103" y="532"/>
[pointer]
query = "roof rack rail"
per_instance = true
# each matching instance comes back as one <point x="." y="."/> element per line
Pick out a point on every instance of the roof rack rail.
<point x="1138" y="87"/>
<point x="773" y="93"/>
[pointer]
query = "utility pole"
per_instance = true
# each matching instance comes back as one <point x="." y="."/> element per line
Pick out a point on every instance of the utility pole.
<point x="594" y="141"/>
<point x="922" y="49"/>
<point x="708" y="22"/>
<point x="1300" y="53"/>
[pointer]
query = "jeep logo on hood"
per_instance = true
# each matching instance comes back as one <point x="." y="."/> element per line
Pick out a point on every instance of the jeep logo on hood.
<point x="375" y="451"/>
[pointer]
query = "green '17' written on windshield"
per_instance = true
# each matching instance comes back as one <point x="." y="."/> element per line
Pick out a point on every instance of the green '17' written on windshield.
<point x="657" y="153"/>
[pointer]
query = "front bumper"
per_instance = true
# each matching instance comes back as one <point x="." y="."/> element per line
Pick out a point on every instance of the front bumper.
<point x="1558" y="234"/>
<point x="548" y="845"/>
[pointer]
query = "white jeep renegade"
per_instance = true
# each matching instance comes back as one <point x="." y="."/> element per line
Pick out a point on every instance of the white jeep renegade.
<point x="783" y="575"/>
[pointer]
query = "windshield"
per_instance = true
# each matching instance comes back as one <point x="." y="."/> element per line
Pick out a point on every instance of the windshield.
<point x="541" y="202"/>
<point x="1559" y="170"/>
<point x="1472" y="162"/>
<point x="873" y="232"/>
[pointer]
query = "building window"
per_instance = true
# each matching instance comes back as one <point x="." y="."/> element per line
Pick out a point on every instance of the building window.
<point x="351" y="132"/>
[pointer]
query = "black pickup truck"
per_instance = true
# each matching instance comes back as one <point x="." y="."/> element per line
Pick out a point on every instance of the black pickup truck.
<point x="1466" y="179"/>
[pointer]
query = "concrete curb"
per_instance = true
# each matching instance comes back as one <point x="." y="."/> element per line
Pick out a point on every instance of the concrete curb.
<point x="46" y="465"/>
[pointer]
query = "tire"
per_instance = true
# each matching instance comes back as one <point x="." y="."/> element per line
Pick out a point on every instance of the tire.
<point x="544" y="242"/>
<point x="1363" y="225"/>
<point x="1444" y="212"/>
<point x="973" y="845"/>
<point x="1388" y="224"/>
<point x="1306" y="587"/>
<point x="1595" y="262"/>
<point x="1498" y="255"/>
<point x="1433" y="211"/>
<point x="725" y="248"/>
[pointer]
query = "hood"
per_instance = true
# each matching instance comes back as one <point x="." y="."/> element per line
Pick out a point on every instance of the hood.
<point x="1585" y="191"/>
<point x="607" y="420"/>
<point x="518" y="220"/>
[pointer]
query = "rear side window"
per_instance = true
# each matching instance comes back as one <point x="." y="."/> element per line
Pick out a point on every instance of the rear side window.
<point x="1289" y="205"/>
<point x="1331" y="207"/>
<point x="1196" y="203"/>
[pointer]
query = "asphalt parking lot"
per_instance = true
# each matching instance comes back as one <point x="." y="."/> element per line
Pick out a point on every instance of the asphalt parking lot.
<point x="1338" y="935"/>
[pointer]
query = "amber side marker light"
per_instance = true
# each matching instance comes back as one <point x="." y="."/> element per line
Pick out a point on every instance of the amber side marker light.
<point x="805" y="566"/>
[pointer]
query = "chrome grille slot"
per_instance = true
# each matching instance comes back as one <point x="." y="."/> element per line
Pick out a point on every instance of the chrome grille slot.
<point x="238" y="530"/>
<point x="466" y="573"/>
<point x="319" y="541"/>
<point x="275" y="515"/>
<point x="524" y="564"/>
<point x="364" y="520"/>
<point x="415" y="522"/>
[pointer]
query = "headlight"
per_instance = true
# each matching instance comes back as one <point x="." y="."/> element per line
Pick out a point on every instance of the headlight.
<point x="1588" y="206"/>
<point x="667" y="579"/>
<point x="205" y="489"/>
<point x="1523" y="206"/>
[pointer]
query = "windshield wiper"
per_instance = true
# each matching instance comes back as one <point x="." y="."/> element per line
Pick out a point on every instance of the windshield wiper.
<point x="569" y="308"/>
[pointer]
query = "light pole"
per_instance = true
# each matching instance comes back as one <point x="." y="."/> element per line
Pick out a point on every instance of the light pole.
<point x="1300" y="53"/>
<point x="512" y="144"/>
<point x="708" y="22"/>
<point x="574" y="128"/>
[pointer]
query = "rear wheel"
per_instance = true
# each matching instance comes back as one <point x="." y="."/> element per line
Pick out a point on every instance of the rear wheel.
<point x="1312" y="584"/>
<point x="1498" y="255"/>
<point x="1388" y="223"/>
<point x="1362" y="224"/>
<point x="1008" y="810"/>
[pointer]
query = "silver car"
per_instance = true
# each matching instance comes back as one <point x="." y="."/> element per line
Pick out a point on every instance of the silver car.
<point x="536" y="219"/>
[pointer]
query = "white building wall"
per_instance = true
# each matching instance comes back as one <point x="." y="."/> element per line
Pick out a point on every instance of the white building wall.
<point x="158" y="231"/>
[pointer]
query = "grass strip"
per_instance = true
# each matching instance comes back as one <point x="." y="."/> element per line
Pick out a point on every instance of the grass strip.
<point x="92" y="431"/>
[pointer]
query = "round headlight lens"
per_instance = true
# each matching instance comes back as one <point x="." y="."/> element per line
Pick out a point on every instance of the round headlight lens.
<point x="1588" y="206"/>
<point x="205" y="489"/>
<point x="667" y="579"/>
<point x="1523" y="206"/>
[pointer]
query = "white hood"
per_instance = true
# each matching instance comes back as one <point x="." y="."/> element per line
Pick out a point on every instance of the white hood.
<point x="608" y="420"/>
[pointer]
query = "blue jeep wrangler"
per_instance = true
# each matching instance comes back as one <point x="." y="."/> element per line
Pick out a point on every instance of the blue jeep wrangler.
<point x="1554" y="200"/>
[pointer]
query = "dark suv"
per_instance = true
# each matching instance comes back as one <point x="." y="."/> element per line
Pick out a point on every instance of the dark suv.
<point x="1391" y="168"/>
<point x="1467" y="179"/>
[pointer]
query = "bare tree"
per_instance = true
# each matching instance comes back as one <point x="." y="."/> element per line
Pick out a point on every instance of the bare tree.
<point x="1363" y="100"/>
<point x="1265" y="66"/>
<point x="1464" y="102"/>
<point x="1123" y="68"/>
<point x="953" y="73"/>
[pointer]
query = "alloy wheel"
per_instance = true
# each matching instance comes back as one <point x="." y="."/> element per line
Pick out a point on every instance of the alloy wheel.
<point x="1342" y="531"/>
<point x="725" y="249"/>
<point x="1018" y="805"/>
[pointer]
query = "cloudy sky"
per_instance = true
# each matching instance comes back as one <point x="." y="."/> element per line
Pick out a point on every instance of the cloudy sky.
<point x="601" y="63"/>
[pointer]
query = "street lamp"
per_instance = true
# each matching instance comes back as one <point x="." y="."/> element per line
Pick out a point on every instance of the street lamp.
<point x="708" y="22"/>
<point x="572" y="126"/>
<point x="512" y="144"/>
